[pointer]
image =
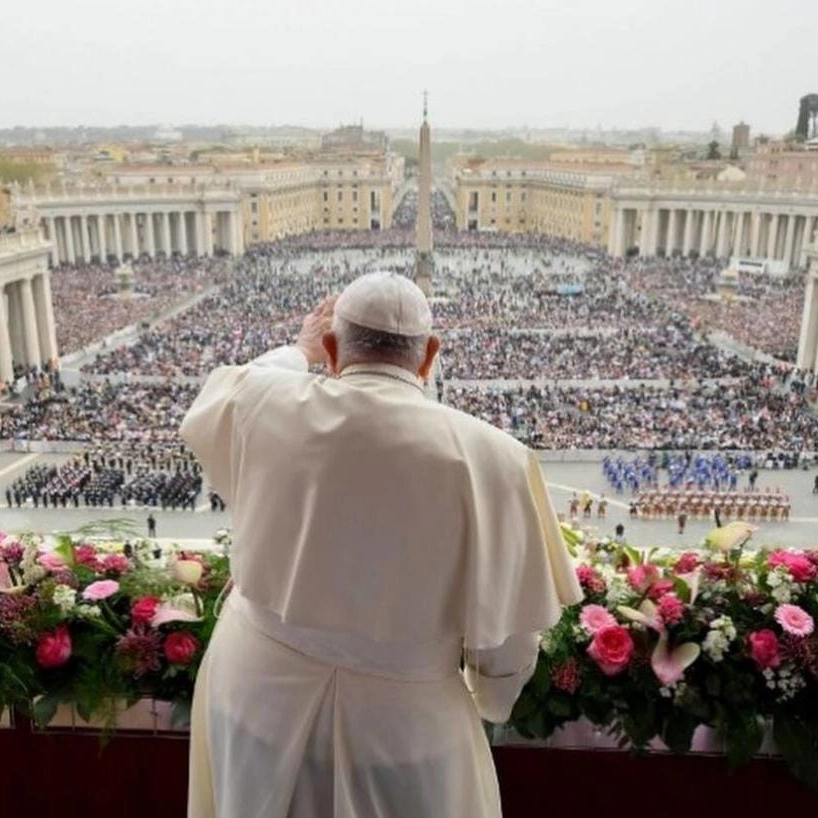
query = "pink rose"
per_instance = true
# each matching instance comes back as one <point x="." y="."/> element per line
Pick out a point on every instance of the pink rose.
<point x="144" y="609"/>
<point x="54" y="649"/>
<point x="181" y="647"/>
<point x="611" y="648"/>
<point x="594" y="618"/>
<point x="799" y="567"/>
<point x="671" y="609"/>
<point x="101" y="589"/>
<point x="794" y="620"/>
<point x="687" y="562"/>
<point x="764" y="648"/>
<point x="116" y="563"/>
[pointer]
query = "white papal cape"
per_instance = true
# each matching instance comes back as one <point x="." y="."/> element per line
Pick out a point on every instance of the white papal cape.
<point x="378" y="538"/>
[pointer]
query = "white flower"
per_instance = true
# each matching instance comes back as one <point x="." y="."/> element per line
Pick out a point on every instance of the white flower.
<point x="782" y="593"/>
<point x="65" y="598"/>
<point x="88" y="611"/>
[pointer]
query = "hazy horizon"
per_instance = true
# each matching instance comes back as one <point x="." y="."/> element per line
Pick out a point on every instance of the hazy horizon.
<point x="537" y="63"/>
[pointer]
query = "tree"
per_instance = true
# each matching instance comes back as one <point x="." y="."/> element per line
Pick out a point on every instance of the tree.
<point x="713" y="151"/>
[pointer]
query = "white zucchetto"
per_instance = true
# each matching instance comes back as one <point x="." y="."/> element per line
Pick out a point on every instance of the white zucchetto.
<point x="386" y="302"/>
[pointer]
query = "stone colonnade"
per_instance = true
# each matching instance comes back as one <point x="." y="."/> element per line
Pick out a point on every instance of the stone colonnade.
<point x="808" y="341"/>
<point x="84" y="234"/>
<point x="776" y="233"/>
<point x="27" y="331"/>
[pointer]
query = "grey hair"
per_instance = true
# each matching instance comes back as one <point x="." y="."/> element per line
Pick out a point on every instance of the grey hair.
<point x="357" y="343"/>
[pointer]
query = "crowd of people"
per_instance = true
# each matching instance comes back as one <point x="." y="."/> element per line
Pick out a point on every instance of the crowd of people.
<point x="155" y="475"/>
<point x="740" y="416"/>
<point x="89" y="304"/>
<point x="511" y="309"/>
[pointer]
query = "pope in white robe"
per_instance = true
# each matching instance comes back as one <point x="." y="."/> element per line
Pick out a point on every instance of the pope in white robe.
<point x="395" y="561"/>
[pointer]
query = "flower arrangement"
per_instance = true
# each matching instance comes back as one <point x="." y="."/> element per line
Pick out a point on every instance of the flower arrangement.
<point x="92" y="625"/>
<point x="666" y="641"/>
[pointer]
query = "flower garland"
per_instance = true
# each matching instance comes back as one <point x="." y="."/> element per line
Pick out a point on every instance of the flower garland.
<point x="666" y="641"/>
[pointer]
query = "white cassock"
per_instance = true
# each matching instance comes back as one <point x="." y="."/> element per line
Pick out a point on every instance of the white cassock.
<point x="379" y="538"/>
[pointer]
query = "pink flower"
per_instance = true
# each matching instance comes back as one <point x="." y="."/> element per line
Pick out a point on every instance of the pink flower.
<point x="660" y="588"/>
<point x="116" y="563"/>
<point x="54" y="648"/>
<point x="794" y="620"/>
<point x="590" y="580"/>
<point x="51" y="561"/>
<point x="799" y="567"/>
<point x="594" y="618"/>
<point x="687" y="562"/>
<point x="11" y="551"/>
<point x="101" y="589"/>
<point x="144" y="609"/>
<point x="567" y="676"/>
<point x="642" y="576"/>
<point x="87" y="555"/>
<point x="181" y="647"/>
<point x="611" y="648"/>
<point x="764" y="648"/>
<point x="139" y="649"/>
<point x="671" y="609"/>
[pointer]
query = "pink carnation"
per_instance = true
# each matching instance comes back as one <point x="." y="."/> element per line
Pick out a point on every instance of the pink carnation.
<point x="116" y="563"/>
<point x="101" y="589"/>
<point x="594" y="618"/>
<point x="590" y="580"/>
<point x="660" y="588"/>
<point x="800" y="568"/>
<point x="87" y="555"/>
<point x="671" y="609"/>
<point x="687" y="562"/>
<point x="794" y="619"/>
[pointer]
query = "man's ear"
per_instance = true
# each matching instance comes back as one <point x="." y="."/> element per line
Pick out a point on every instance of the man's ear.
<point x="330" y="343"/>
<point x="432" y="348"/>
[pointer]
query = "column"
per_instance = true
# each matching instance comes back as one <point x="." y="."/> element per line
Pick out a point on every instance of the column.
<point x="721" y="234"/>
<point x="200" y="244"/>
<point x="738" y="233"/>
<point x="166" y="245"/>
<point x="150" y="238"/>
<point x="30" y="324"/>
<point x="755" y="235"/>
<point x="118" y="236"/>
<point x="102" y="238"/>
<point x="182" y="233"/>
<point x="808" y="340"/>
<point x="46" y="331"/>
<point x="207" y="232"/>
<point x="645" y="233"/>
<point x="15" y="322"/>
<point x="789" y="241"/>
<point x="704" y="245"/>
<point x="55" y="245"/>
<point x="670" y="244"/>
<point x="86" y="239"/>
<point x="69" y="240"/>
<point x="134" y="237"/>
<point x="772" y="235"/>
<point x="231" y="232"/>
<point x="687" y="240"/>
<point x="237" y="226"/>
<point x="806" y="239"/>
<point x="6" y="368"/>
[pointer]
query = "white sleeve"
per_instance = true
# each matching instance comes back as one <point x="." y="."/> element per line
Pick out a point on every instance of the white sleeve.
<point x="287" y="357"/>
<point x="496" y="676"/>
<point x="208" y="425"/>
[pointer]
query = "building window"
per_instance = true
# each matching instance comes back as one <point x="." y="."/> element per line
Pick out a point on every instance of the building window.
<point x="326" y="195"/>
<point x="493" y="196"/>
<point x="354" y="195"/>
<point x="340" y="195"/>
<point x="254" y="207"/>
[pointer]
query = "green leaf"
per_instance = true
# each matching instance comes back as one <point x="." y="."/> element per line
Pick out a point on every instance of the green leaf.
<point x="559" y="705"/>
<point x="180" y="713"/>
<point x="45" y="708"/>
<point x="797" y="740"/>
<point x="541" y="680"/>
<point x="678" y="732"/>
<point x="742" y="739"/>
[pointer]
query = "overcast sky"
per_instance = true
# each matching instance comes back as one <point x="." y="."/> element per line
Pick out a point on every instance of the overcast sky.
<point x="544" y="63"/>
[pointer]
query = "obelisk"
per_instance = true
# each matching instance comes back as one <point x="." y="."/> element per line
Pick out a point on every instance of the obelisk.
<point x="424" y="263"/>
